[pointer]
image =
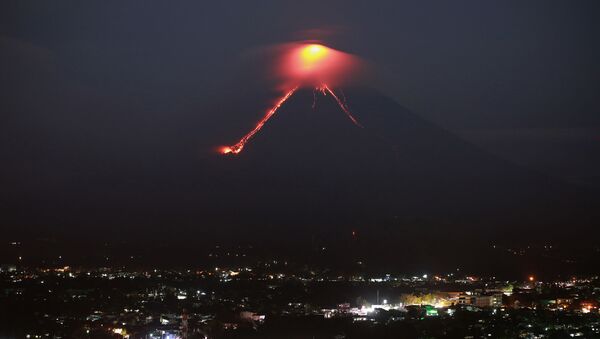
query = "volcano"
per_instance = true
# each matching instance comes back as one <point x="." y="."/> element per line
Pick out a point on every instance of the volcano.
<point x="398" y="182"/>
<point x="313" y="167"/>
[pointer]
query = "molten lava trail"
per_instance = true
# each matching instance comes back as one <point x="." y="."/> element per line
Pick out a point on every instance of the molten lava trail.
<point x="343" y="106"/>
<point x="237" y="148"/>
<point x="323" y="89"/>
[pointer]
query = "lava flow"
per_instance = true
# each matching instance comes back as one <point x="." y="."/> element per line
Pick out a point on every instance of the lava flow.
<point x="306" y="65"/>
<point x="237" y="148"/>
<point x="325" y="89"/>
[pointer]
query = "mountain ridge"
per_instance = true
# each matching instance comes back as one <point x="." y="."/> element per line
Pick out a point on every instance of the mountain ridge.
<point x="398" y="164"/>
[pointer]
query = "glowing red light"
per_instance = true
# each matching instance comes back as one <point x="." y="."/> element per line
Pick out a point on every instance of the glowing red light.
<point x="237" y="148"/>
<point x="342" y="105"/>
<point x="225" y="150"/>
<point x="314" y="64"/>
<point x="305" y="65"/>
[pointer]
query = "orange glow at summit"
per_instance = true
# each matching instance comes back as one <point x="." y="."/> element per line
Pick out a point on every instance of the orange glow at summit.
<point x="314" y="52"/>
<point x="306" y="65"/>
<point x="314" y="64"/>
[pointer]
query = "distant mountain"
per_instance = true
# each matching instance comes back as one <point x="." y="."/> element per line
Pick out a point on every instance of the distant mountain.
<point x="309" y="173"/>
<point x="399" y="189"/>
<point x="315" y="168"/>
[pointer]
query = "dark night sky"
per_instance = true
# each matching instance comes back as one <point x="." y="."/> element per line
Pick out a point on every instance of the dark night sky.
<point x="519" y="79"/>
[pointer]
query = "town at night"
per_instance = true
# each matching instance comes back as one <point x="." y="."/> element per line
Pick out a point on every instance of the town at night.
<point x="316" y="169"/>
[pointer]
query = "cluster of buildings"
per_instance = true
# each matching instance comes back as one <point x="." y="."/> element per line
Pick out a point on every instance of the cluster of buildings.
<point x="210" y="303"/>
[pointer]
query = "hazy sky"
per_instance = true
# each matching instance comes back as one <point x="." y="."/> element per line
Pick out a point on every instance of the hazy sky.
<point x="518" y="78"/>
<point x="112" y="78"/>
